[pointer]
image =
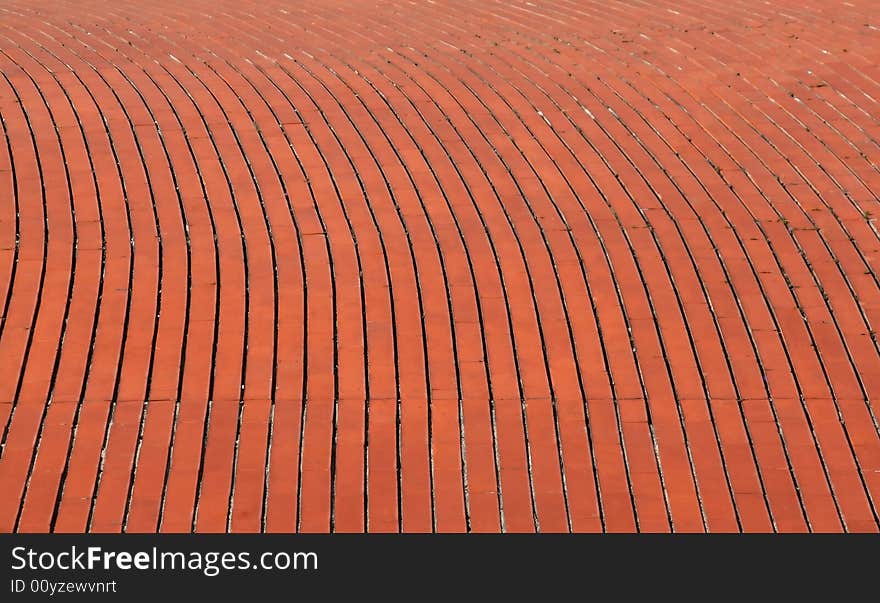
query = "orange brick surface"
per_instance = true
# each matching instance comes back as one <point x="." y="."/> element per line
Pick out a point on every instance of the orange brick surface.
<point x="452" y="266"/>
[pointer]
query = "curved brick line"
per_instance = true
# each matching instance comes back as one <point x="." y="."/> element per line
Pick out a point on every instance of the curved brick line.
<point x="678" y="228"/>
<point x="468" y="183"/>
<point x="207" y="294"/>
<point x="842" y="373"/>
<point x="566" y="298"/>
<point x="25" y="418"/>
<point x="667" y="270"/>
<point x="494" y="252"/>
<point x="322" y="228"/>
<point x="672" y="196"/>
<point x="518" y="239"/>
<point x="272" y="411"/>
<point x="558" y="210"/>
<point x="377" y="507"/>
<point x="809" y="331"/>
<point x="249" y="512"/>
<point x="714" y="369"/>
<point x="224" y="398"/>
<point x="771" y="307"/>
<point x="299" y="234"/>
<point x="537" y="303"/>
<point x="481" y="312"/>
<point x="463" y="392"/>
<point x="175" y="187"/>
<point x="604" y="252"/>
<point x="392" y="311"/>
<point x="368" y="243"/>
<point x="423" y="283"/>
<point x="768" y="305"/>
<point x="774" y="255"/>
<point x="43" y="472"/>
<point x="736" y="366"/>
<point x="11" y="232"/>
<point x="409" y="393"/>
<point x="268" y="385"/>
<point x="131" y="384"/>
<point x="178" y="387"/>
<point x="392" y="195"/>
<point x="155" y="390"/>
<point x="134" y="381"/>
<point x="138" y="258"/>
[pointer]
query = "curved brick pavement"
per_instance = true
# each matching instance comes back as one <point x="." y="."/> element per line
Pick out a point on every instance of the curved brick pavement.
<point x="443" y="265"/>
